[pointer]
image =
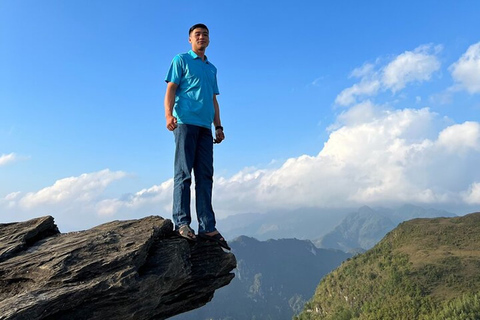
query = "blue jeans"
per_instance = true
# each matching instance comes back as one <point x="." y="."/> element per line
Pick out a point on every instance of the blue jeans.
<point x="193" y="150"/>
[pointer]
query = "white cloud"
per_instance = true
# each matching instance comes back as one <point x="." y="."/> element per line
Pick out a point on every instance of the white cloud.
<point x="67" y="191"/>
<point x="389" y="157"/>
<point x="72" y="201"/>
<point x="7" y="158"/>
<point x="363" y="71"/>
<point x="83" y="188"/>
<point x="409" y="67"/>
<point x="146" y="200"/>
<point x="466" y="71"/>
<point x="11" y="199"/>
<point x="461" y="137"/>
<point x="359" y="113"/>
<point x="366" y="87"/>
<point x="472" y="195"/>
<point x="386" y="158"/>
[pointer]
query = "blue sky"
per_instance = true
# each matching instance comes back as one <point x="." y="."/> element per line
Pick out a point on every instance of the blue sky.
<point x="324" y="104"/>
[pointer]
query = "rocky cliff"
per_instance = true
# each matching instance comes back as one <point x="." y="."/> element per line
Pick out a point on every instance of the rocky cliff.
<point x="136" y="269"/>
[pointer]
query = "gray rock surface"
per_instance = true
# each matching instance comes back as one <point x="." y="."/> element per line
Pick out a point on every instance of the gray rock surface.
<point x="135" y="269"/>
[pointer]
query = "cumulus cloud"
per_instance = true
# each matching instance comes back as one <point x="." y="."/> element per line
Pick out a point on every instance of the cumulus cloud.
<point x="366" y="87"/>
<point x="391" y="157"/>
<point x="409" y="67"/>
<point x="466" y="71"/>
<point x="83" y="188"/>
<point x="158" y="197"/>
<point x="7" y="158"/>
<point x="386" y="158"/>
<point x="71" y="199"/>
<point x="472" y="195"/>
<point x="461" y="138"/>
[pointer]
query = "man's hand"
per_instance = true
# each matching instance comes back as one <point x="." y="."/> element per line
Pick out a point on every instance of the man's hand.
<point x="219" y="135"/>
<point x="171" y="123"/>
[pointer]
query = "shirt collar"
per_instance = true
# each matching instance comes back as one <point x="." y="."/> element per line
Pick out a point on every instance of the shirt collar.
<point x="195" y="56"/>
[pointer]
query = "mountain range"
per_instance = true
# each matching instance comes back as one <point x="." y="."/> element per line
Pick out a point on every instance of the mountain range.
<point x="273" y="280"/>
<point x="304" y="223"/>
<point x="362" y="229"/>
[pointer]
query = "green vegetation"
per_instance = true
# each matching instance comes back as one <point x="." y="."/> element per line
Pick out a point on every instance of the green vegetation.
<point x="423" y="269"/>
<point x="464" y="308"/>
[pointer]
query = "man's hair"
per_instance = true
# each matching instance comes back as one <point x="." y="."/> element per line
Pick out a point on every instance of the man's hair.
<point x="198" y="25"/>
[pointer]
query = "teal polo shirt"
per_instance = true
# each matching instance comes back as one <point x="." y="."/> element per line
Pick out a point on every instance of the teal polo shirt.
<point x="197" y="84"/>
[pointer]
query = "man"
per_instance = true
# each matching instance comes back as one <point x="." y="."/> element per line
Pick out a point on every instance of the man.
<point x="190" y="108"/>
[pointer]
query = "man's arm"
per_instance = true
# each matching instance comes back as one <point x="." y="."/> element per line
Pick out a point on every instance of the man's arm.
<point x="219" y="135"/>
<point x="169" y="102"/>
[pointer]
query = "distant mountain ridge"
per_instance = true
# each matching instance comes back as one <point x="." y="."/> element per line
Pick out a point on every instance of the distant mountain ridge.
<point x="304" y="223"/>
<point x="423" y="269"/>
<point x="272" y="281"/>
<point x="361" y="230"/>
<point x="346" y="229"/>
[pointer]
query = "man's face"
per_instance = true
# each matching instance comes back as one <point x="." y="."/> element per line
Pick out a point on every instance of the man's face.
<point x="199" y="39"/>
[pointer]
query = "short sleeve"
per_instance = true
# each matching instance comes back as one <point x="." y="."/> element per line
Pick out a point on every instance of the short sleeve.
<point x="215" y="88"/>
<point x="175" y="72"/>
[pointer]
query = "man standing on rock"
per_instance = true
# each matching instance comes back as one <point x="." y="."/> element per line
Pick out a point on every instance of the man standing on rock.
<point x="190" y="109"/>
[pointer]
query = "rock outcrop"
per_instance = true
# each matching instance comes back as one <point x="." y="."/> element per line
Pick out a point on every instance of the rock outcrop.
<point x="135" y="269"/>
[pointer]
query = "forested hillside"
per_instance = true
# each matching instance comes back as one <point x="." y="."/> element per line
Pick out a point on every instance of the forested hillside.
<point x="423" y="269"/>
